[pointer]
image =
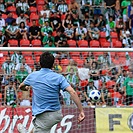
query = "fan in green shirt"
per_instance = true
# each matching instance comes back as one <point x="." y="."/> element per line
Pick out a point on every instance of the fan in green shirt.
<point x="46" y="29"/>
<point x="46" y="39"/>
<point x="124" y="6"/>
<point x="43" y="20"/>
<point x="50" y="45"/>
<point x="21" y="74"/>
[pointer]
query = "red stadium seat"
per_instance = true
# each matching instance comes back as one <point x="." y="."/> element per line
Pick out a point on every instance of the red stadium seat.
<point x="40" y="2"/>
<point x="34" y="16"/>
<point x="80" y="63"/>
<point x="36" y="43"/>
<point x="96" y="54"/>
<point x="28" y="57"/>
<point x="11" y="9"/>
<point x="77" y="54"/>
<point x="105" y="44"/>
<point x="37" y="53"/>
<point x="24" y="43"/>
<point x="33" y="9"/>
<point x="54" y="33"/>
<point x="116" y="95"/>
<point x="121" y="54"/>
<point x="64" y="62"/>
<point x="94" y="43"/>
<point x="102" y="34"/>
<point x="71" y="43"/>
<point x="84" y="54"/>
<point x="13" y="43"/>
<point x="26" y="53"/>
<point x="83" y="43"/>
<point x="109" y="84"/>
<point x="5" y="53"/>
<point x="4" y="16"/>
<point x="37" y="59"/>
<point x="2" y="60"/>
<point x="30" y="62"/>
<point x="83" y="83"/>
<point x="39" y="8"/>
<point x="114" y="35"/>
<point x="117" y="44"/>
<point x="15" y="16"/>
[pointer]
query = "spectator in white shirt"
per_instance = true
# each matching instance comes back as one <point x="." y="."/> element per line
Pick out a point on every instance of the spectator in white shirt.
<point x="127" y="42"/>
<point x="81" y="32"/>
<point x="22" y="18"/>
<point x="28" y="69"/>
<point x="45" y="10"/>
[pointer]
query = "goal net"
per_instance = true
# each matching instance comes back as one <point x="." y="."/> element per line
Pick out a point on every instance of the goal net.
<point x="108" y="70"/>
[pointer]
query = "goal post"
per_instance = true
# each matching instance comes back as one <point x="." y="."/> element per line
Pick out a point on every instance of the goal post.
<point x="113" y="113"/>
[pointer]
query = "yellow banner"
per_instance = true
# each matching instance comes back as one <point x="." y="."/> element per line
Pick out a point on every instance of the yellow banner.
<point x="114" y="120"/>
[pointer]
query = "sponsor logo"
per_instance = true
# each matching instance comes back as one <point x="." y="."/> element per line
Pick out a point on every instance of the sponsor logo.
<point x="130" y="122"/>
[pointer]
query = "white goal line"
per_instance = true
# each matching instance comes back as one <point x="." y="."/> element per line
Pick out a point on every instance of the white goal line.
<point x="66" y="49"/>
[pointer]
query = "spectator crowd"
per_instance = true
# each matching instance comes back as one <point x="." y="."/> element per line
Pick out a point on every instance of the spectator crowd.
<point x="68" y="23"/>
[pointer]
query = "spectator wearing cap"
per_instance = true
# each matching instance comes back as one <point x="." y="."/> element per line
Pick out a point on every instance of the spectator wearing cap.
<point x="34" y="31"/>
<point x="12" y="31"/>
<point x="128" y="88"/>
<point x="43" y="20"/>
<point x="2" y="7"/>
<point x="3" y="41"/>
<point x="2" y="21"/>
<point x="47" y="38"/>
<point x="22" y="6"/>
<point x="55" y="22"/>
<point x="127" y="40"/>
